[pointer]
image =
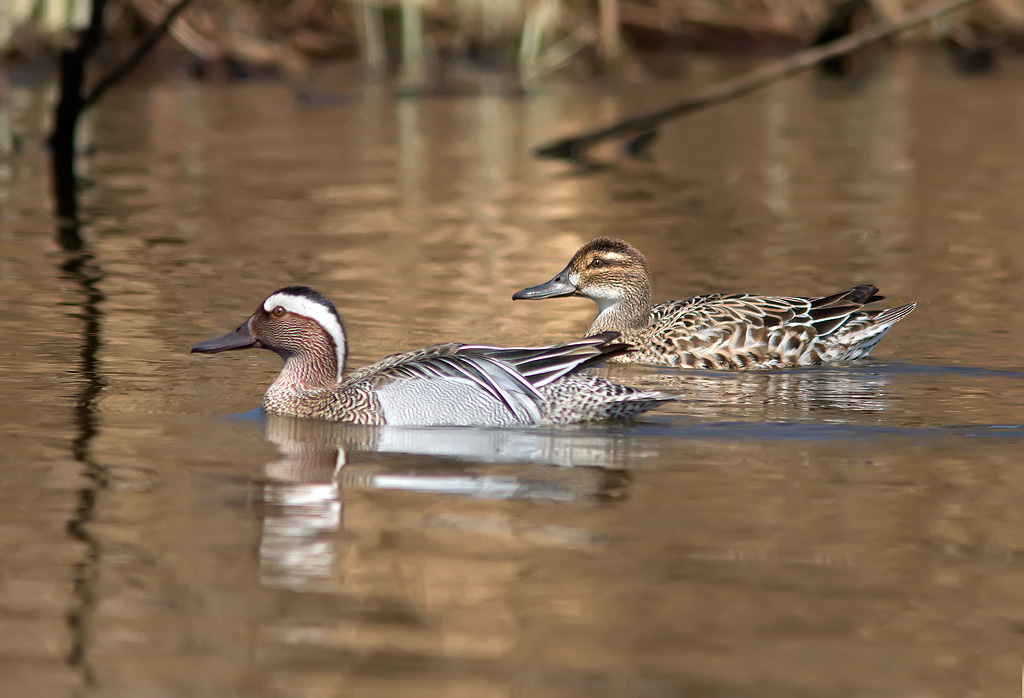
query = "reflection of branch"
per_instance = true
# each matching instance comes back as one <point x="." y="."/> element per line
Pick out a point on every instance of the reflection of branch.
<point x="574" y="147"/>
<point x="78" y="269"/>
<point x="143" y="47"/>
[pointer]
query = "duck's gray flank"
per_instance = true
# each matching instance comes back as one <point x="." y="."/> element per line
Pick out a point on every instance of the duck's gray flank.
<point x="717" y="331"/>
<point x="445" y="384"/>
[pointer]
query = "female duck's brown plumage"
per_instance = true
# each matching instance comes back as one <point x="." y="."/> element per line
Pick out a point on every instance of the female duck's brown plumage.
<point x="716" y="331"/>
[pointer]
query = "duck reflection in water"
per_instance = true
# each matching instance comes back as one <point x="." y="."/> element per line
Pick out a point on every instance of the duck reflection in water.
<point x="303" y="493"/>
<point x="827" y="392"/>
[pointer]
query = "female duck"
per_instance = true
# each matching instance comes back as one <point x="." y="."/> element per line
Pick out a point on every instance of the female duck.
<point x="446" y="384"/>
<point x="717" y="331"/>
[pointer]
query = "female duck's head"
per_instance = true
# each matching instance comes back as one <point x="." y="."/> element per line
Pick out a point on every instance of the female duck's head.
<point x="610" y="272"/>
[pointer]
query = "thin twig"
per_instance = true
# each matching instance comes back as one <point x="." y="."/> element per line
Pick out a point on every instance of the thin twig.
<point x="129" y="64"/>
<point x="574" y="147"/>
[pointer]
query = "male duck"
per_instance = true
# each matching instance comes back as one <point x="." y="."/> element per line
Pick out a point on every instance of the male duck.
<point x="716" y="331"/>
<point x="441" y="385"/>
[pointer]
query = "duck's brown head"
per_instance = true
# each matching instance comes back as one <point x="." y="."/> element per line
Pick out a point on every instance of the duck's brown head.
<point x="299" y="324"/>
<point x="605" y="270"/>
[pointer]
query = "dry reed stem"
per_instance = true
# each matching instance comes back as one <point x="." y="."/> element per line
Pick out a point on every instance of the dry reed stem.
<point x="545" y="33"/>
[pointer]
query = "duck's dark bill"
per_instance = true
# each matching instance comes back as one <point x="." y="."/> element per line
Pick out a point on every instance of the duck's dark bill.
<point x="239" y="339"/>
<point x="556" y="288"/>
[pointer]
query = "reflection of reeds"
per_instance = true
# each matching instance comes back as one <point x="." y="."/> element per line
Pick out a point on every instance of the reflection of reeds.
<point x="533" y="37"/>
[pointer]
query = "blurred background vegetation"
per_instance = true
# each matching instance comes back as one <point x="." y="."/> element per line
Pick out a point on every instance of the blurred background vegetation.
<point x="421" y="40"/>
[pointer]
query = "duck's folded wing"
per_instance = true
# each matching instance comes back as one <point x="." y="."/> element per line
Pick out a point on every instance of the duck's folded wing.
<point x="511" y="375"/>
<point x="451" y="362"/>
<point x="543" y="365"/>
<point x="381" y="366"/>
<point x="717" y="309"/>
<point x="825" y="314"/>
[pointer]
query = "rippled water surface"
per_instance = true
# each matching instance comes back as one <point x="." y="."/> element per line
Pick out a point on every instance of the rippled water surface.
<point x="845" y="531"/>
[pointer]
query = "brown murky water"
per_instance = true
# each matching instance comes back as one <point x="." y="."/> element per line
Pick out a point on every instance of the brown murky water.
<point x="850" y="531"/>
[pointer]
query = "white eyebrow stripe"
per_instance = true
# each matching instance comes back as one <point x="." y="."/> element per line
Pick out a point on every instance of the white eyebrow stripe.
<point x="316" y="312"/>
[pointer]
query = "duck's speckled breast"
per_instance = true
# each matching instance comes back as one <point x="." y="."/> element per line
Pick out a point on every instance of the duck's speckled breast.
<point x="355" y="404"/>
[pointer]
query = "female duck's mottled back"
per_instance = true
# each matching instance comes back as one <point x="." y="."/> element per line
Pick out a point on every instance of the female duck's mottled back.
<point x="446" y="384"/>
<point x="717" y="331"/>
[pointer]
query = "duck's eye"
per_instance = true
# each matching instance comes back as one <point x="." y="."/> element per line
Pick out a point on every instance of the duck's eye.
<point x="278" y="311"/>
<point x="594" y="264"/>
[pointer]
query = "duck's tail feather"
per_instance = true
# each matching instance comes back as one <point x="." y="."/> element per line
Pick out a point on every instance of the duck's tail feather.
<point x="890" y="316"/>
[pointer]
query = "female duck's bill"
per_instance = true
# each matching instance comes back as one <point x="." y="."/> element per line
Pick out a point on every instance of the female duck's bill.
<point x="446" y="384"/>
<point x="716" y="331"/>
<point x="557" y="287"/>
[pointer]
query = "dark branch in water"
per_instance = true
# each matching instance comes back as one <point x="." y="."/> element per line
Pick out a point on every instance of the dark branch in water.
<point x="574" y="147"/>
<point x="145" y="44"/>
<point x="74" y="100"/>
<point x="65" y="122"/>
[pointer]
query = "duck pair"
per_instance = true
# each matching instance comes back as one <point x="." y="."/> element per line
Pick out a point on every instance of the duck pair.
<point x="463" y="384"/>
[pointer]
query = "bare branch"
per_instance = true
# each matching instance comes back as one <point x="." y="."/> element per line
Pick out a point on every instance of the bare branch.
<point x="145" y="44"/>
<point x="574" y="147"/>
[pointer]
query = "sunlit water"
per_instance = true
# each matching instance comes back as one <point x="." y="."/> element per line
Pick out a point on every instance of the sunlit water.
<point x="844" y="531"/>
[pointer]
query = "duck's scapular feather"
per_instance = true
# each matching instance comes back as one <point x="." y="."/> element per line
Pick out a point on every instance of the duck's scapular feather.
<point x="446" y="384"/>
<point x="717" y="331"/>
